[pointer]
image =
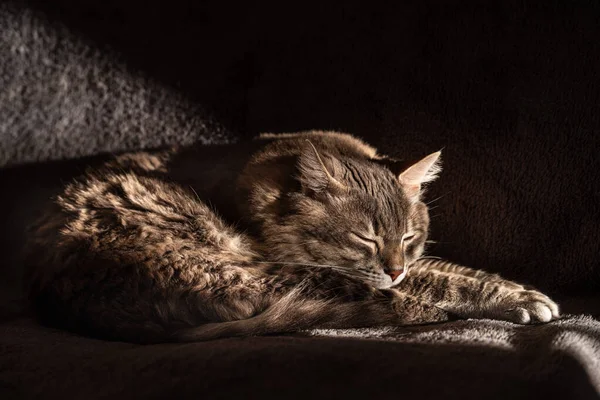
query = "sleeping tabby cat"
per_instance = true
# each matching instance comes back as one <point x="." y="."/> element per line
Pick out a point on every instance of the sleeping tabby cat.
<point x="330" y="234"/>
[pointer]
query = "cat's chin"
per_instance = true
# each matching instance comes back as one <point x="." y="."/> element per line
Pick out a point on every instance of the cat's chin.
<point x="386" y="282"/>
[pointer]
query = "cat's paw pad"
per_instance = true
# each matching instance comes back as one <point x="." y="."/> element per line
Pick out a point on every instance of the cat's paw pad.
<point x="529" y="306"/>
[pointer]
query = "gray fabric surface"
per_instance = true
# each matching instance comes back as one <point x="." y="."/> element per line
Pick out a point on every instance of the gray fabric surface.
<point x="465" y="359"/>
<point x="61" y="98"/>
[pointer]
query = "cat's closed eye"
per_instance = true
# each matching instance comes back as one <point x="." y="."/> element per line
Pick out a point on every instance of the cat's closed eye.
<point x="408" y="236"/>
<point x="372" y="243"/>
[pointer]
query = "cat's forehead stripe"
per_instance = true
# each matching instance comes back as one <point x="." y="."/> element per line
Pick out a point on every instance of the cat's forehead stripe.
<point x="394" y="214"/>
<point x="389" y="212"/>
<point x="357" y="176"/>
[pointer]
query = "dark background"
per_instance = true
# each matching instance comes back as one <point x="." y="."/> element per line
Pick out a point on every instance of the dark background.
<point x="509" y="90"/>
<point x="281" y="66"/>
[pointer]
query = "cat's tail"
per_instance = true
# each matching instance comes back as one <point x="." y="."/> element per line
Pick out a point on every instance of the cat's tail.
<point x="293" y="313"/>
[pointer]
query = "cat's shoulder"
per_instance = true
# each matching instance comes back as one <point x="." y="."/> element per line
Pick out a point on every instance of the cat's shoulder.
<point x="332" y="142"/>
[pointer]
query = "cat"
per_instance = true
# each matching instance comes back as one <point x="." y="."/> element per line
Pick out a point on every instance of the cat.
<point x="329" y="234"/>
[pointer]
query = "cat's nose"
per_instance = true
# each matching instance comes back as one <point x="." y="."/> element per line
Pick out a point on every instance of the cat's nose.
<point x="394" y="273"/>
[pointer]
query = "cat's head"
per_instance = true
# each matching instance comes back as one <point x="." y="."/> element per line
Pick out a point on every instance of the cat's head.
<point x="356" y="216"/>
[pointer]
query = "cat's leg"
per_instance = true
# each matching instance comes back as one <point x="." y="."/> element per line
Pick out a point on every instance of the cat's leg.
<point x="474" y="295"/>
<point x="435" y="263"/>
<point x="305" y="300"/>
<point x="365" y="305"/>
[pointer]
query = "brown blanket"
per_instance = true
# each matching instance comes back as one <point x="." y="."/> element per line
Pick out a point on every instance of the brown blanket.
<point x="464" y="359"/>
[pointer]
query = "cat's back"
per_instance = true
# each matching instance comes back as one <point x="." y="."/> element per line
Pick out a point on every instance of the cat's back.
<point x="338" y="144"/>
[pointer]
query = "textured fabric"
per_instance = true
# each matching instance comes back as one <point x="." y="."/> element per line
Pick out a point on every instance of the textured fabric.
<point x="508" y="90"/>
<point x="60" y="98"/>
<point x="465" y="360"/>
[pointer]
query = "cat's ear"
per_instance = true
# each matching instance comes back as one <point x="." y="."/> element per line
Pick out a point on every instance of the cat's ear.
<point x="317" y="172"/>
<point x="425" y="170"/>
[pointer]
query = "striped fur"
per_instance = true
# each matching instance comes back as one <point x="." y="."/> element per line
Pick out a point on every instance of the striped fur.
<point x="330" y="229"/>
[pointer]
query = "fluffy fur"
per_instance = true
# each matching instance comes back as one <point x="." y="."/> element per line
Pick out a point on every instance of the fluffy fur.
<point x="332" y="230"/>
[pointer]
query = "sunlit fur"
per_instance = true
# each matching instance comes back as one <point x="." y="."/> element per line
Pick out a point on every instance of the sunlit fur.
<point x="327" y="229"/>
<point x="311" y="223"/>
<point x="128" y="253"/>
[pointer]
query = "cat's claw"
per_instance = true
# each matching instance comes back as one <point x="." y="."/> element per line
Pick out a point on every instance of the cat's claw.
<point x="528" y="306"/>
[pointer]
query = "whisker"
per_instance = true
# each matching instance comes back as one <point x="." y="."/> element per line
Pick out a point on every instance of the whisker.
<point x="196" y="193"/>
<point x="436" y="199"/>
<point x="307" y="242"/>
<point x="428" y="257"/>
<point x="301" y="264"/>
<point x="357" y="273"/>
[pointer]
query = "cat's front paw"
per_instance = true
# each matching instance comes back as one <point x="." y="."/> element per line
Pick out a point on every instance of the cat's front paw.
<point x="526" y="307"/>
